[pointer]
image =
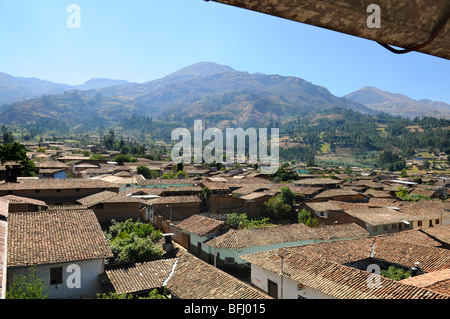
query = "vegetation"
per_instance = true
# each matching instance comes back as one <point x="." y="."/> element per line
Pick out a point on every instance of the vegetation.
<point x="154" y="294"/>
<point x="242" y="221"/>
<point x="134" y="241"/>
<point x="305" y="217"/>
<point x="147" y="172"/>
<point x="27" y="287"/>
<point x="403" y="194"/>
<point x="16" y="152"/>
<point x="396" y="273"/>
<point x="279" y="208"/>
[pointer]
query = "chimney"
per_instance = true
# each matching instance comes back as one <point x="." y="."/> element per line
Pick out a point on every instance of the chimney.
<point x="416" y="270"/>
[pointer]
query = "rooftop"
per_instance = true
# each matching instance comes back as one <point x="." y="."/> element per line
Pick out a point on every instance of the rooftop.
<point x="55" y="236"/>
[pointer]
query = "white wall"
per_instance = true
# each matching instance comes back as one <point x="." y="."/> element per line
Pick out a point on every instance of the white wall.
<point x="89" y="283"/>
<point x="260" y="277"/>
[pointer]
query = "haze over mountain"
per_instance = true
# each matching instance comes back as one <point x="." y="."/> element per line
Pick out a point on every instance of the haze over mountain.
<point x="398" y="104"/>
<point x="209" y="91"/>
<point x="204" y="90"/>
<point x="13" y="89"/>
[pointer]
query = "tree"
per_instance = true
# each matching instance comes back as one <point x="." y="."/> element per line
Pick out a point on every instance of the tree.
<point x="278" y="210"/>
<point x="288" y="196"/>
<point x="396" y="273"/>
<point x="134" y="241"/>
<point x="16" y="152"/>
<point x="147" y="172"/>
<point x="27" y="287"/>
<point x="305" y="217"/>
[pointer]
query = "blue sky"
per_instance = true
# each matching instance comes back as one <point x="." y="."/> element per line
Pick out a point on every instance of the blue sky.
<point x="142" y="40"/>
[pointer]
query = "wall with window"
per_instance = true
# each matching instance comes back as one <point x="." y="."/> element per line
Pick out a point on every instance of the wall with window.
<point x="58" y="278"/>
<point x="284" y="288"/>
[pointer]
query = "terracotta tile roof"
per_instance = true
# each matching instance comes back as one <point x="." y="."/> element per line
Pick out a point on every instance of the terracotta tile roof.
<point x="334" y="279"/>
<point x="438" y="281"/>
<point x="200" y="225"/>
<point x="174" y="200"/>
<point x="391" y="249"/>
<point x="380" y="216"/>
<point x="136" y="278"/>
<point x="56" y="184"/>
<point x="243" y="238"/>
<point x="107" y="197"/>
<point x="23" y="200"/>
<point x="55" y="236"/>
<point x="195" y="279"/>
<point x="441" y="233"/>
<point x="186" y="277"/>
<point x="329" y="193"/>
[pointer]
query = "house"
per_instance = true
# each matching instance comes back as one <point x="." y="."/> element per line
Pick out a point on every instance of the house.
<point x="379" y="220"/>
<point x="344" y="269"/>
<point x="109" y="205"/>
<point x="69" y="250"/>
<point x="174" y="208"/>
<point x="226" y="249"/>
<point x="51" y="169"/>
<point x="325" y="182"/>
<point x="339" y="194"/>
<point x="200" y="229"/>
<point x="23" y="204"/>
<point x="56" y="191"/>
<point x="323" y="209"/>
<point x="185" y="277"/>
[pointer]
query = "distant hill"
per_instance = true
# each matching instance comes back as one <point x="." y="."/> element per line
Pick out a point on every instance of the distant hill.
<point x="209" y="91"/>
<point x="398" y="104"/>
<point x="98" y="84"/>
<point x="14" y="89"/>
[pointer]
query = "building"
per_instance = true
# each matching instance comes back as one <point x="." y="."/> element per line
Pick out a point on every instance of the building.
<point x="56" y="191"/>
<point x="200" y="229"/>
<point x="344" y="269"/>
<point x="23" y="204"/>
<point x="109" y="205"/>
<point x="226" y="249"/>
<point x="67" y="248"/>
<point x="185" y="277"/>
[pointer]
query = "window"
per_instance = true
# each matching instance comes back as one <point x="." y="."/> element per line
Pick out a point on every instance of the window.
<point x="436" y="221"/>
<point x="394" y="227"/>
<point x="385" y="227"/>
<point x="56" y="276"/>
<point x="419" y="223"/>
<point x="229" y="260"/>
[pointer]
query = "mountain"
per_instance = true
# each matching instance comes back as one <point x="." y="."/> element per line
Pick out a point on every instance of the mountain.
<point x="98" y="84"/>
<point x="398" y="104"/>
<point x="209" y="91"/>
<point x="15" y="89"/>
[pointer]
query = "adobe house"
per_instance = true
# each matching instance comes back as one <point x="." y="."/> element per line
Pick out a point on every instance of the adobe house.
<point x="109" y="205"/>
<point x="68" y="251"/>
<point x="200" y="229"/>
<point x="340" y="194"/>
<point x="174" y="208"/>
<point x="57" y="191"/>
<point x="23" y="204"/>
